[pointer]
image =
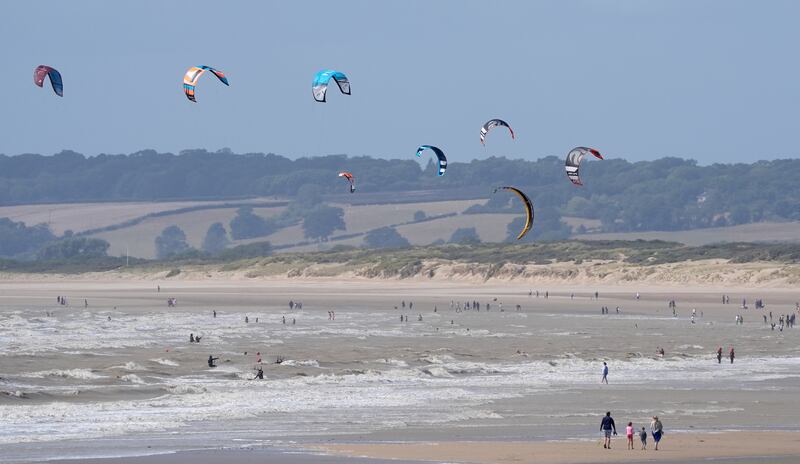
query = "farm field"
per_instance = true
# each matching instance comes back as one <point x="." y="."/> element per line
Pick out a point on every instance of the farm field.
<point x="139" y="239"/>
<point x="756" y="232"/>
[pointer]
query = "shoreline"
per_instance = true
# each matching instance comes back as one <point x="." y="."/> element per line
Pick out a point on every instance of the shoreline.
<point x="735" y="447"/>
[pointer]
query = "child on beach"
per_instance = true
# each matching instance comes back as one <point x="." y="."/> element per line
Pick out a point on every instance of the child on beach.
<point x="643" y="438"/>
<point x="629" y="435"/>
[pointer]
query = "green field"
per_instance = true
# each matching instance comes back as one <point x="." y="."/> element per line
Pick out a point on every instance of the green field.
<point x="132" y="227"/>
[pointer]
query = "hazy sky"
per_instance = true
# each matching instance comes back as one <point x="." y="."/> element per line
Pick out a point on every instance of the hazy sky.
<point x="710" y="80"/>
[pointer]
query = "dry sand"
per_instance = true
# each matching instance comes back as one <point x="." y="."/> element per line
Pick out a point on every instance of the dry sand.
<point x="674" y="448"/>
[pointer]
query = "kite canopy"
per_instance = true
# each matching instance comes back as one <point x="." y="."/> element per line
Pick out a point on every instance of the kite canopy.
<point x="350" y="179"/>
<point x="439" y="154"/>
<point x="526" y="202"/>
<point x="320" y="85"/>
<point x="193" y="75"/>
<point x="573" y="162"/>
<point x="55" y="78"/>
<point x="491" y="124"/>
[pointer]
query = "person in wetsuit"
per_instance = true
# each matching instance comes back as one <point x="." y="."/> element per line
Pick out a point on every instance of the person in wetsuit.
<point x="211" y="360"/>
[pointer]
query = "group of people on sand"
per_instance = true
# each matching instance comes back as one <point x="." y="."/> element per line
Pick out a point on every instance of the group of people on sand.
<point x="473" y="306"/>
<point x="784" y="321"/>
<point x="604" y="310"/>
<point x="609" y="429"/>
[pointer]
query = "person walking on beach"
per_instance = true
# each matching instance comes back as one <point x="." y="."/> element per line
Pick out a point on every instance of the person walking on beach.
<point x="608" y="427"/>
<point x="605" y="373"/>
<point x="732" y="355"/>
<point x="643" y="438"/>
<point x="657" y="430"/>
<point x="629" y="435"/>
<point x="719" y="355"/>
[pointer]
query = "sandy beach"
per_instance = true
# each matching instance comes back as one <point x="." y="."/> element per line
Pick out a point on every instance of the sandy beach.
<point x="112" y="374"/>
<point x="684" y="447"/>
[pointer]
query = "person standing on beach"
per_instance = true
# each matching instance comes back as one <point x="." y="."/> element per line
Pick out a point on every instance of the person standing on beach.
<point x="605" y="376"/>
<point x="732" y="355"/>
<point x="719" y="355"/>
<point x="643" y="438"/>
<point x="629" y="435"/>
<point x="608" y="427"/>
<point x="657" y="430"/>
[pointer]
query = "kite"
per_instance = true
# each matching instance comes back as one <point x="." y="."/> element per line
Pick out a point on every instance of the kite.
<point x="528" y="208"/>
<point x="193" y="75"/>
<point x="350" y="179"/>
<point x="320" y="84"/>
<point x="574" y="159"/>
<point x="439" y="154"/>
<point x="55" y="78"/>
<point x="491" y="124"/>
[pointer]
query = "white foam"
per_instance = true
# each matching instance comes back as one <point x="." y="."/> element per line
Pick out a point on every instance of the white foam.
<point x="392" y="362"/>
<point x="130" y="366"/>
<point x="305" y="362"/>
<point x="165" y="362"/>
<point x="132" y="378"/>
<point x="83" y="374"/>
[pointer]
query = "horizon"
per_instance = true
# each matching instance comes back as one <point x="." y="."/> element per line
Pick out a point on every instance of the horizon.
<point x="722" y="90"/>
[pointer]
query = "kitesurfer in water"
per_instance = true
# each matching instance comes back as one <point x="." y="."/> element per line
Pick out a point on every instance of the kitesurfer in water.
<point x="211" y="360"/>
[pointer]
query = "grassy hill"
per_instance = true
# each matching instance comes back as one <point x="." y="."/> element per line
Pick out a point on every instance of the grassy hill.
<point x="139" y="238"/>
<point x="133" y="226"/>
<point x="755" y="232"/>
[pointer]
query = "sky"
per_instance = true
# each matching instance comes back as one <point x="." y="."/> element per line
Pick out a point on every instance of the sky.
<point x="716" y="81"/>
